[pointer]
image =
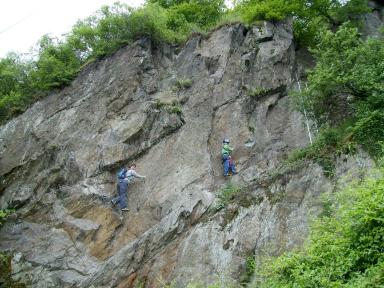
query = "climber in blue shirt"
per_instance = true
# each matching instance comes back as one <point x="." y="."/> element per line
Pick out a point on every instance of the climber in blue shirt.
<point x="125" y="176"/>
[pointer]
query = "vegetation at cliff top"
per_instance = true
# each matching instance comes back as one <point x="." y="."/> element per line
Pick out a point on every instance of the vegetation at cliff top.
<point x="56" y="62"/>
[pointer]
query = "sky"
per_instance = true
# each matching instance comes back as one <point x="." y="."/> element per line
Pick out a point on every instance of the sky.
<point x="23" y="22"/>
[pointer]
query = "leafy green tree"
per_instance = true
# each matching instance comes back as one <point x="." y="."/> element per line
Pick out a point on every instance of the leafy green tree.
<point x="56" y="66"/>
<point x="202" y="13"/>
<point x="102" y="33"/>
<point x="195" y="14"/>
<point x="151" y="21"/>
<point x="349" y="73"/>
<point x="14" y="85"/>
<point x="11" y="74"/>
<point x="309" y="15"/>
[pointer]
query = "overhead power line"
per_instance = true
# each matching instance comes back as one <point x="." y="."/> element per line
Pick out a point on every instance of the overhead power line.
<point x="15" y="24"/>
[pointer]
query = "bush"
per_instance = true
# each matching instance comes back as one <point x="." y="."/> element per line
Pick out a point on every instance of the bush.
<point x="348" y="76"/>
<point x="4" y="214"/>
<point x="56" y="67"/>
<point x="102" y="33"/>
<point x="254" y="10"/>
<point x="345" y="246"/>
<point x="257" y="92"/>
<point x="369" y="132"/>
<point x="226" y="195"/>
<point x="202" y="13"/>
<point x="309" y="16"/>
<point x="175" y="109"/>
<point x="330" y="143"/>
<point x="183" y="83"/>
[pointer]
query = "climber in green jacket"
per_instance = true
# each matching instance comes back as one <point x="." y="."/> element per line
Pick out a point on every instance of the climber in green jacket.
<point x="226" y="156"/>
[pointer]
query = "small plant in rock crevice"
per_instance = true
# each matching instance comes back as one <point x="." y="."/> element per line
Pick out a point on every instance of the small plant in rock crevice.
<point x="173" y="108"/>
<point x="4" y="214"/>
<point x="5" y="259"/>
<point x="183" y="83"/>
<point x="250" y="267"/>
<point x="226" y="194"/>
<point x="256" y="92"/>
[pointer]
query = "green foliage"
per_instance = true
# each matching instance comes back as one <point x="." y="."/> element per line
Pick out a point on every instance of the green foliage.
<point x="250" y="267"/>
<point x="183" y="83"/>
<point x="251" y="264"/>
<point x="175" y="109"/>
<point x="256" y="92"/>
<point x="346" y="65"/>
<point x="102" y="33"/>
<point x="4" y="214"/>
<point x="227" y="18"/>
<point x="224" y="281"/>
<point x="6" y="273"/>
<point x="198" y="284"/>
<point x="330" y="142"/>
<point x="309" y="16"/>
<point x="57" y="65"/>
<point x="203" y="13"/>
<point x="13" y="74"/>
<point x="253" y="10"/>
<point x="226" y="195"/>
<point x="348" y="73"/>
<point x="14" y="85"/>
<point x="151" y="21"/>
<point x="5" y="259"/>
<point x="140" y="284"/>
<point x="112" y="27"/>
<point x="368" y="131"/>
<point x="200" y="13"/>
<point x="345" y="246"/>
<point x="12" y="104"/>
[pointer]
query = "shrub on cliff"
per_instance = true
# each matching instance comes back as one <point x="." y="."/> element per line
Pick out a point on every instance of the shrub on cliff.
<point x="309" y="17"/>
<point x="349" y="76"/>
<point x="345" y="246"/>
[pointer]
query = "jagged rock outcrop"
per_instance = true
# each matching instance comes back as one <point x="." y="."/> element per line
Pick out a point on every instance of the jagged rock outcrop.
<point x="372" y="22"/>
<point x="58" y="164"/>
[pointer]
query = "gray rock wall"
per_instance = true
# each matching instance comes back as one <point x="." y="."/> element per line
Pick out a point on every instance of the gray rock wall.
<point x="372" y="22"/>
<point x="58" y="164"/>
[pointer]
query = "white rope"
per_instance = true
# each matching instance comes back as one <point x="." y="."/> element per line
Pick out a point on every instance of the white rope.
<point x="314" y="119"/>
<point x="305" y="112"/>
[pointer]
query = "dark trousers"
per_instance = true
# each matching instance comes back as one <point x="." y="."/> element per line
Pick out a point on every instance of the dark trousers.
<point x="122" y="191"/>
<point x="228" y="165"/>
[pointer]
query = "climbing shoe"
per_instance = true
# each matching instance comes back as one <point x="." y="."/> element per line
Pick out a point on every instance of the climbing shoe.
<point x="125" y="209"/>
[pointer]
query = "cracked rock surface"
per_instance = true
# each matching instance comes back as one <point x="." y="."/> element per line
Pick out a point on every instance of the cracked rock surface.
<point x="58" y="165"/>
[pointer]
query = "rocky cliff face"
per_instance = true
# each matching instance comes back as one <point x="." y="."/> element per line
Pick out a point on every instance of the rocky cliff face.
<point x="168" y="108"/>
<point x="372" y="22"/>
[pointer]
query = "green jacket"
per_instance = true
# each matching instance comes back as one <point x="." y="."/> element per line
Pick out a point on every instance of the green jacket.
<point x="226" y="150"/>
